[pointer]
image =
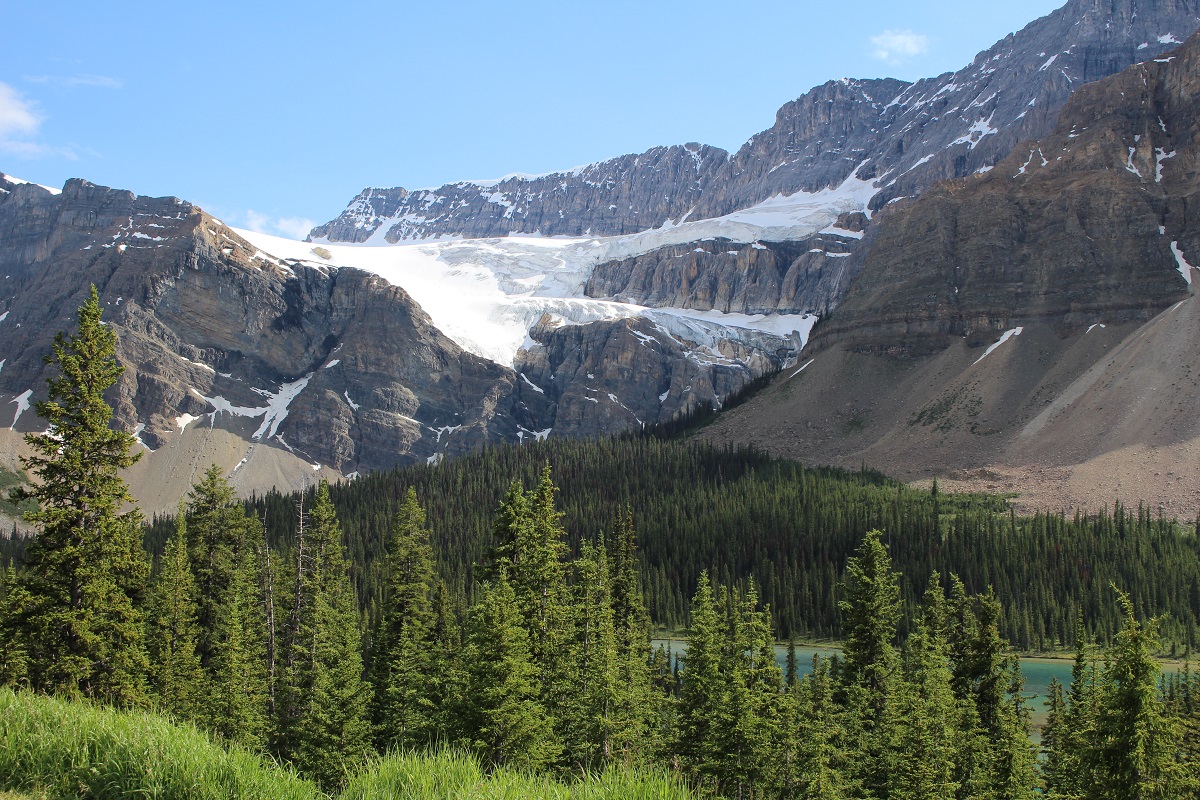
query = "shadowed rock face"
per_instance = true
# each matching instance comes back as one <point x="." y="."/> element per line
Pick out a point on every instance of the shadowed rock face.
<point x="336" y="365"/>
<point x="1079" y="227"/>
<point x="907" y="136"/>
<point x="758" y="278"/>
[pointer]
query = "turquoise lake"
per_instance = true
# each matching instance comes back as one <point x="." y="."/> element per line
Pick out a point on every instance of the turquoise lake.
<point x="1038" y="672"/>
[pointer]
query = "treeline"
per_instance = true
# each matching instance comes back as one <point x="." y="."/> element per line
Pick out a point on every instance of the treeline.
<point x="739" y="513"/>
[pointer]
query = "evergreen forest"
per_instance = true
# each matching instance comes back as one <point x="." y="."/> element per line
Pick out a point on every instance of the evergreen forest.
<point x="499" y="609"/>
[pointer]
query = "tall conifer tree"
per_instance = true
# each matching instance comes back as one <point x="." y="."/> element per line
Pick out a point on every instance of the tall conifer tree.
<point x="502" y="713"/>
<point x="216" y="525"/>
<point x="180" y="685"/>
<point x="588" y="713"/>
<point x="85" y="571"/>
<point x="870" y="612"/>
<point x="405" y="707"/>
<point x="329" y="731"/>
<point x="238" y="708"/>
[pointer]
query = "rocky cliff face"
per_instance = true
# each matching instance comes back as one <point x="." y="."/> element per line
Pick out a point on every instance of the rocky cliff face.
<point x="334" y="365"/>
<point x="790" y="277"/>
<point x="905" y="137"/>
<point x="622" y="195"/>
<point x="1091" y="224"/>
<point x="626" y="374"/>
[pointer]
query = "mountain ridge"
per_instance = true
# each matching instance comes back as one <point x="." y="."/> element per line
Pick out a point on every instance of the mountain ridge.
<point x="932" y="129"/>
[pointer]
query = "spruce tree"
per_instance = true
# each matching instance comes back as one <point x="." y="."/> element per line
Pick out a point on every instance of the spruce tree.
<point x="237" y="710"/>
<point x="870" y="612"/>
<point x="330" y="731"/>
<point x="446" y="679"/>
<point x="1140" y="740"/>
<point x="1073" y="761"/>
<point x="588" y="711"/>
<point x="1052" y="733"/>
<point x="405" y="703"/>
<point x="822" y="772"/>
<point x="639" y="716"/>
<point x="179" y="684"/>
<point x="926" y="737"/>
<point x="216" y="524"/>
<point x="80" y="622"/>
<point x="703" y="695"/>
<point x="502" y="714"/>
<point x="755" y="709"/>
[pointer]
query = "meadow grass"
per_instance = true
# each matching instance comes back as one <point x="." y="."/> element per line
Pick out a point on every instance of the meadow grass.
<point x="451" y="775"/>
<point x="67" y="749"/>
<point x="52" y="749"/>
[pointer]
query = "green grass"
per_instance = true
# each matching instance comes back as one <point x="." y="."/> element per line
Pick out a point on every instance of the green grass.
<point x="53" y="749"/>
<point x="76" y="750"/>
<point x="454" y="776"/>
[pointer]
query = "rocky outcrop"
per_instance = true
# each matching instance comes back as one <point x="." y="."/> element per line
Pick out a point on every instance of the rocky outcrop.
<point x="1094" y="223"/>
<point x="905" y="136"/>
<point x="758" y="278"/>
<point x="613" y="376"/>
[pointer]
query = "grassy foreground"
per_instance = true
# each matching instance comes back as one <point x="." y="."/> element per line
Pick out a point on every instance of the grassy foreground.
<point x="53" y="749"/>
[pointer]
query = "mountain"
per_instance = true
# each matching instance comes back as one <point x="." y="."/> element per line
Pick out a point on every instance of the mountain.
<point x="260" y="355"/>
<point x="418" y="326"/>
<point x="1032" y="328"/>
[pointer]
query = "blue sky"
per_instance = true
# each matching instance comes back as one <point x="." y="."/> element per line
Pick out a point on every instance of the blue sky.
<point x="273" y="115"/>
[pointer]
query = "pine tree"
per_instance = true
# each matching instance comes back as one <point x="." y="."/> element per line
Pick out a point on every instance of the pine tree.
<point x="703" y="695"/>
<point x="925" y="738"/>
<point x="405" y="704"/>
<point x="1140" y="740"/>
<point x="446" y="679"/>
<point x="870" y="612"/>
<point x="822" y="772"/>
<point x="1052" y="734"/>
<point x="331" y="731"/>
<point x="237" y="710"/>
<point x="216" y="524"/>
<point x="503" y="716"/>
<point x="1074" y="749"/>
<point x="180" y="685"/>
<point x="539" y="579"/>
<point x="639" y="715"/>
<point x="587" y="717"/>
<point x="755" y="708"/>
<point x="85" y="571"/>
<point x="531" y="550"/>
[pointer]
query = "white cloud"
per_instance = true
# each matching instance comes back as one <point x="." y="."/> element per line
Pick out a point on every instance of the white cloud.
<point x="19" y="123"/>
<point x="82" y="79"/>
<point x="895" y="46"/>
<point x="295" y="227"/>
<point x="17" y="115"/>
<point x="287" y="227"/>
